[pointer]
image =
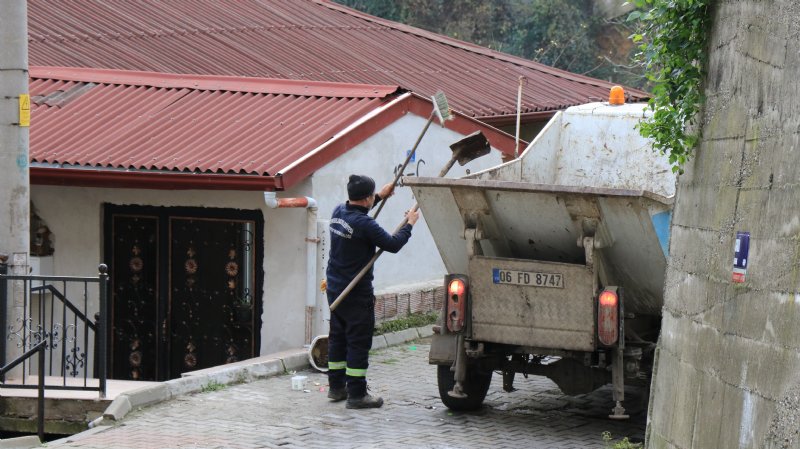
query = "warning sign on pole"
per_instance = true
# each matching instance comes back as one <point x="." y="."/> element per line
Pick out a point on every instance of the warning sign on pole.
<point x="24" y="110"/>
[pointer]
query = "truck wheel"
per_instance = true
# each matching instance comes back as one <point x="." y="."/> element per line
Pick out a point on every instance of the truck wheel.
<point x="476" y="386"/>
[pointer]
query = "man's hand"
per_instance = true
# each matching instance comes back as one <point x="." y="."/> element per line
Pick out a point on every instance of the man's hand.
<point x="386" y="191"/>
<point x="412" y="216"/>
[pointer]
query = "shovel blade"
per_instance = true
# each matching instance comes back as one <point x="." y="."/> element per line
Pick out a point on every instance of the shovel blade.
<point x="470" y="148"/>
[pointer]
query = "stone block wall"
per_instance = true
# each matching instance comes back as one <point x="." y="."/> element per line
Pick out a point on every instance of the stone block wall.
<point x="727" y="373"/>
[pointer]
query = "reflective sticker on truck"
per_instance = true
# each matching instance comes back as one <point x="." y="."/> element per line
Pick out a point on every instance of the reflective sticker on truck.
<point x="527" y="278"/>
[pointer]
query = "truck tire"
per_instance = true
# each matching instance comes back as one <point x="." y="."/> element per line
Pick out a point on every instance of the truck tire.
<point x="476" y="386"/>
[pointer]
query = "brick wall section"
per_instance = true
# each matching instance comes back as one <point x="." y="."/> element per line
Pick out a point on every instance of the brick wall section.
<point x="389" y="306"/>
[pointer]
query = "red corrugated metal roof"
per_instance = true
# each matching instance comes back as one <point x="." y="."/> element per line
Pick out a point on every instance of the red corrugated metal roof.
<point x="163" y="122"/>
<point x="154" y="122"/>
<point x="297" y="39"/>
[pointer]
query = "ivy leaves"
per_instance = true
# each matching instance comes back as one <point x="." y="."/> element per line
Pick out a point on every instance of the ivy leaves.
<point x="672" y="49"/>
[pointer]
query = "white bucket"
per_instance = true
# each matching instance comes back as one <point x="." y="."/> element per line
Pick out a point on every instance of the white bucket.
<point x="318" y="353"/>
<point x="299" y="383"/>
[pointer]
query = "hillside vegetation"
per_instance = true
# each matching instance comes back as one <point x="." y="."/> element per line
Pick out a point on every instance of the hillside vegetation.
<point x="565" y="34"/>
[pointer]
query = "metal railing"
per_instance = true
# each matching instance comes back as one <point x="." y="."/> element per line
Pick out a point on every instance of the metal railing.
<point x="55" y="311"/>
<point x="40" y="349"/>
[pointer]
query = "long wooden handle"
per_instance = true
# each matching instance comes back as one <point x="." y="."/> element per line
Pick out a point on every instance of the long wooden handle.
<point x="364" y="270"/>
<point x="355" y="280"/>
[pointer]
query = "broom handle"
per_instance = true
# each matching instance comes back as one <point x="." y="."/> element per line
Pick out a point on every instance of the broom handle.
<point x="408" y="159"/>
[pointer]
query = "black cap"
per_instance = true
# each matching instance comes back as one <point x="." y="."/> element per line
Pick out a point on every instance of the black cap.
<point x="360" y="187"/>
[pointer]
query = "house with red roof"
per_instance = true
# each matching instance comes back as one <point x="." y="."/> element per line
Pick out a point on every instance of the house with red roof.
<point x="180" y="184"/>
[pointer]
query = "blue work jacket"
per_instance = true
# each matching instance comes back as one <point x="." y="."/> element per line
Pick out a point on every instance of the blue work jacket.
<point x="354" y="237"/>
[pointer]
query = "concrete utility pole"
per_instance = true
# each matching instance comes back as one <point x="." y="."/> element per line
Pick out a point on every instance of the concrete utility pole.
<point x="14" y="179"/>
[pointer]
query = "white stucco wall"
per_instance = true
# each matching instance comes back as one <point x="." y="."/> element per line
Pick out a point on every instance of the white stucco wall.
<point x="75" y="216"/>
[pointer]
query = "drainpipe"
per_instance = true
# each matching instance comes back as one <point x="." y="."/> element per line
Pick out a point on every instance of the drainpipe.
<point x="522" y="80"/>
<point x="3" y="307"/>
<point x="312" y="240"/>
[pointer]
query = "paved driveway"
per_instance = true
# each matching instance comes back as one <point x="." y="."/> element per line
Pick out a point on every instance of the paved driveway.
<point x="268" y="414"/>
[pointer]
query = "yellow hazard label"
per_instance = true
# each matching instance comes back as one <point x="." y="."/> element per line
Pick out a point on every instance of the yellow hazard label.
<point x="24" y="110"/>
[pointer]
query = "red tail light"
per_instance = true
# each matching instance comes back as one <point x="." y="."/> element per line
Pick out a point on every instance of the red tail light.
<point x="608" y="317"/>
<point x="457" y="287"/>
<point x="608" y="299"/>
<point x="456" y="303"/>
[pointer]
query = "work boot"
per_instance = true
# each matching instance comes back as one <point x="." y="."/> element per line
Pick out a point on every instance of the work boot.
<point x="337" y="394"/>
<point x="366" y="401"/>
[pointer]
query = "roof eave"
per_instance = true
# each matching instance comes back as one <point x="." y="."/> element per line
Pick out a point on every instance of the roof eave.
<point x="407" y="103"/>
<point x="536" y="116"/>
<point x="77" y="177"/>
<point x="466" y="125"/>
<point x="525" y="118"/>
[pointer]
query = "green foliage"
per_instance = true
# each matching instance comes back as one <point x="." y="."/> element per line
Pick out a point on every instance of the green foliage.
<point x="672" y="49"/>
<point x="563" y="34"/>
<point x="212" y="385"/>
<point x="388" y="9"/>
<point x="559" y="34"/>
<point x="609" y="443"/>
<point x="482" y="22"/>
<point x="406" y="322"/>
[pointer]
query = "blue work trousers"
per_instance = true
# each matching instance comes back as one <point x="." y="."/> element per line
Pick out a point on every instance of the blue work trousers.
<point x="349" y="342"/>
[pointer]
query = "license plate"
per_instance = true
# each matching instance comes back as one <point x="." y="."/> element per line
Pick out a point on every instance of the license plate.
<point x="528" y="278"/>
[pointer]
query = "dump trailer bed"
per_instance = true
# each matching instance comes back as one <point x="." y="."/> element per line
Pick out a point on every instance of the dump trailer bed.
<point x="547" y="222"/>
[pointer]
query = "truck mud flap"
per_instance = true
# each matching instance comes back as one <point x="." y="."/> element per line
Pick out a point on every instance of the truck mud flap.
<point x="443" y="349"/>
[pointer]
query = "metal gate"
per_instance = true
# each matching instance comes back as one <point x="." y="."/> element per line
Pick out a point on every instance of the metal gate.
<point x="185" y="289"/>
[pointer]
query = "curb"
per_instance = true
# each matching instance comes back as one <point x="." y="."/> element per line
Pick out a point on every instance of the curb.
<point x="25" y="442"/>
<point x="234" y="373"/>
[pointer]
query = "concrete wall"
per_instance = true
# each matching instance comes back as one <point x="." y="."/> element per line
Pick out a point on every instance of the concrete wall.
<point x="728" y="368"/>
<point x="75" y="216"/>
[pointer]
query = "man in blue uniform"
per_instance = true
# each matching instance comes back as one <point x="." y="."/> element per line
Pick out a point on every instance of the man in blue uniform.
<point x="354" y="237"/>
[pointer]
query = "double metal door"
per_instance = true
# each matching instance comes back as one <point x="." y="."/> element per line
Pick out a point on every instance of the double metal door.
<point x="185" y="289"/>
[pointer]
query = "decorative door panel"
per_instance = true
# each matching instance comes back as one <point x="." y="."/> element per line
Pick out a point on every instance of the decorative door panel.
<point x="134" y="312"/>
<point x="211" y="281"/>
<point x="185" y="286"/>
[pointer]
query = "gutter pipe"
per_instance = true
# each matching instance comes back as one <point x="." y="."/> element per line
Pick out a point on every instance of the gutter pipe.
<point x="273" y="202"/>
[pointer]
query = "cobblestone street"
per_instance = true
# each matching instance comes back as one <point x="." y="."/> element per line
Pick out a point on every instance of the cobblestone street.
<point x="268" y="414"/>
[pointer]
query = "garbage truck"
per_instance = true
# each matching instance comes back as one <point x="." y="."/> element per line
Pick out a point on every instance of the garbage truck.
<point x="555" y="260"/>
